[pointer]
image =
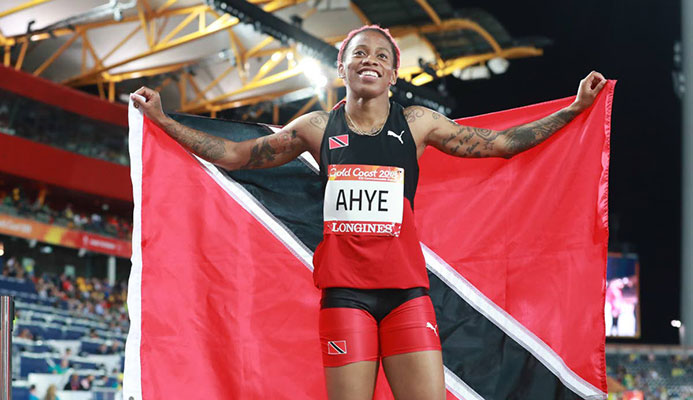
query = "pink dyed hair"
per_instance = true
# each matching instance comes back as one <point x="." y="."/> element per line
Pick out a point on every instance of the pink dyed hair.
<point x="384" y="31"/>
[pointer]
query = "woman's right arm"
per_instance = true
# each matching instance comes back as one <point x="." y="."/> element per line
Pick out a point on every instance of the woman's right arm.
<point x="264" y="152"/>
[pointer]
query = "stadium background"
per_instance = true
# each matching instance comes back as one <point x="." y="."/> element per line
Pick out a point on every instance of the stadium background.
<point x="633" y="42"/>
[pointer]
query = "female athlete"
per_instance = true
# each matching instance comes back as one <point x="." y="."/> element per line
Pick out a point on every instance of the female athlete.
<point x="369" y="266"/>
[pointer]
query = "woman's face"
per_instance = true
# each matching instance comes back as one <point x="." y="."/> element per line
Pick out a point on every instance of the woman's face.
<point x="368" y="67"/>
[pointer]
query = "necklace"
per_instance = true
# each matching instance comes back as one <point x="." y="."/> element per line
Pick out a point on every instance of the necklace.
<point x="372" y="132"/>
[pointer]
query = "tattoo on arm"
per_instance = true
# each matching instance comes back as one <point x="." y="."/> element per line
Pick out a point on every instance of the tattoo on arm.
<point x="523" y="137"/>
<point x="412" y="113"/>
<point x="207" y="146"/>
<point x="267" y="149"/>
<point x="461" y="143"/>
<point x="283" y="146"/>
<point x="319" y="119"/>
<point x="468" y="141"/>
<point x="260" y="154"/>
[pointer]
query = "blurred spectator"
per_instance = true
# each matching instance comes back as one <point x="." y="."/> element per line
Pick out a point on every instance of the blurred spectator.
<point x="67" y="355"/>
<point x="37" y="206"/>
<point x="32" y="393"/>
<point x="68" y="214"/>
<point x="10" y="268"/>
<point x="51" y="393"/>
<point x="652" y="376"/>
<point x="53" y="126"/>
<point x="5" y="198"/>
<point x="73" y="383"/>
<point x="61" y="367"/>
<point x="87" y="382"/>
<point x="26" y="334"/>
<point x="96" y="222"/>
<point x="115" y="347"/>
<point x="92" y="298"/>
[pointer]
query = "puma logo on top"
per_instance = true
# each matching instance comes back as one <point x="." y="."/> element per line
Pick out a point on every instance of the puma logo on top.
<point x="399" y="137"/>
<point x="433" y="328"/>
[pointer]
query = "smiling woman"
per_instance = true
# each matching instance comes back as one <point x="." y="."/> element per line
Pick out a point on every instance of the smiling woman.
<point x="377" y="308"/>
<point x="369" y="265"/>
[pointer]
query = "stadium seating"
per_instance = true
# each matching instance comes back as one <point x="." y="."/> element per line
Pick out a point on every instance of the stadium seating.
<point x="658" y="372"/>
<point x="56" y="329"/>
<point x="17" y="285"/>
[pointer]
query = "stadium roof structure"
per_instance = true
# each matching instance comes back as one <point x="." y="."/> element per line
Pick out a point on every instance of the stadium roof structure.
<point x="205" y="60"/>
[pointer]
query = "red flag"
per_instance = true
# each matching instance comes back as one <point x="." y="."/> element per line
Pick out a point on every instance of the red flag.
<point x="531" y="233"/>
<point x="221" y="297"/>
<point x="226" y="311"/>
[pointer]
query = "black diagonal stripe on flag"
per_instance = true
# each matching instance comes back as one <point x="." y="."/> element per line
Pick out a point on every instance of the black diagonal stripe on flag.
<point x="476" y="350"/>
<point x="338" y="141"/>
<point x="279" y="189"/>
<point x="335" y="347"/>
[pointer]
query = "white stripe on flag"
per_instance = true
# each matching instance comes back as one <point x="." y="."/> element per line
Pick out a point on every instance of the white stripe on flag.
<point x="510" y="326"/>
<point x="308" y="159"/>
<point x="257" y="210"/>
<point x="456" y="386"/>
<point x="444" y="271"/>
<point x="283" y="234"/>
<point x="132" y="379"/>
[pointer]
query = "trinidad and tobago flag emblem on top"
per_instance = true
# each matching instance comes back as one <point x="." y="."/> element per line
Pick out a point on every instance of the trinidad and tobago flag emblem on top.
<point x="337" y="142"/>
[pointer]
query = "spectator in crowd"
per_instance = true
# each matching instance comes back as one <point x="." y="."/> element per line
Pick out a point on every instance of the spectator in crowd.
<point x="61" y="367"/>
<point x="32" y="393"/>
<point x="26" y="334"/>
<point x="11" y="267"/>
<point x="96" y="222"/>
<point x="51" y="393"/>
<point x="36" y="205"/>
<point x="116" y="346"/>
<point x="87" y="382"/>
<point x="53" y="126"/>
<point x="66" y="284"/>
<point x="88" y="297"/>
<point x="92" y="298"/>
<point x="5" y="199"/>
<point x="73" y="383"/>
<point x="80" y="220"/>
<point x="42" y="288"/>
<point x="67" y="213"/>
<point x="67" y="355"/>
<point x="19" y="201"/>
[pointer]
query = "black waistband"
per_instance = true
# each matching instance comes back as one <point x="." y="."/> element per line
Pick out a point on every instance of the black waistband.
<point x="377" y="302"/>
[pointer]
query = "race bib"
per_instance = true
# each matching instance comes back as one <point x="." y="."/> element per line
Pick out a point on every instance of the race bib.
<point x="364" y="200"/>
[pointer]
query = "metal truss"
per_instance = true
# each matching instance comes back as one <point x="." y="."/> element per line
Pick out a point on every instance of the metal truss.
<point x="417" y="75"/>
<point x="21" y="7"/>
<point x="153" y="22"/>
<point x="207" y="21"/>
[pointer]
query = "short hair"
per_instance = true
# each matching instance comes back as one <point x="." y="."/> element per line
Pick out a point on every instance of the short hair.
<point x="383" y="31"/>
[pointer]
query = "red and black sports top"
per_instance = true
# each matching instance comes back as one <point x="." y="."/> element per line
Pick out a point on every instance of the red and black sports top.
<point x="365" y="261"/>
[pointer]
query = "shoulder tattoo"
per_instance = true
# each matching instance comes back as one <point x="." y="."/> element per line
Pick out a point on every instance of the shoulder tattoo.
<point x="319" y="119"/>
<point x="412" y="113"/>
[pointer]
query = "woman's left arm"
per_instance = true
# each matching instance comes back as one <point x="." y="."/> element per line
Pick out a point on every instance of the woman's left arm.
<point x="465" y="141"/>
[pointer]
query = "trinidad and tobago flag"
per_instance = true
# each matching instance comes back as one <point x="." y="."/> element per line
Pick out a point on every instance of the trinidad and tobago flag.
<point x="221" y="297"/>
<point x="337" y="142"/>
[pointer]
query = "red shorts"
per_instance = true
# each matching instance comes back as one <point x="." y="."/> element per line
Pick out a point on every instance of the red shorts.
<point x="349" y="335"/>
